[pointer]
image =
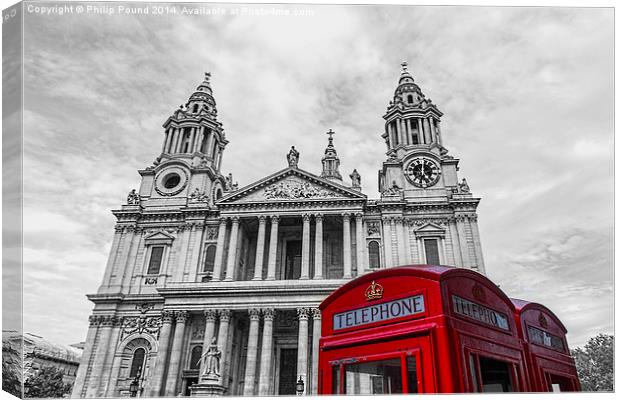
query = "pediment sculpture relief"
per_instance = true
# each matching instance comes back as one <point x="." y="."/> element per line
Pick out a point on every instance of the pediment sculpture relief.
<point x="296" y="190"/>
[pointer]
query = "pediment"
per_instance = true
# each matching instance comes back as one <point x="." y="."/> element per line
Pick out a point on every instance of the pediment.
<point x="292" y="184"/>
<point x="159" y="236"/>
<point x="430" y="227"/>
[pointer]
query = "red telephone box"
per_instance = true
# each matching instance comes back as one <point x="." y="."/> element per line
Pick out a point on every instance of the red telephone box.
<point x="420" y="329"/>
<point x="550" y="365"/>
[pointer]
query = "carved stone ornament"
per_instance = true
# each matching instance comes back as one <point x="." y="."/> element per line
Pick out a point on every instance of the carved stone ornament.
<point x="133" y="198"/>
<point x="198" y="196"/>
<point x="212" y="233"/>
<point x="140" y="325"/>
<point x="198" y="332"/>
<point x="373" y="229"/>
<point x="292" y="157"/>
<point x="144" y="307"/>
<point x="393" y="190"/>
<point x="302" y="190"/>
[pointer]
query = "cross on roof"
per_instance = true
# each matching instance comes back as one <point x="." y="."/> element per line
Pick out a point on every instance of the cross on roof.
<point x="330" y="133"/>
<point x="207" y="76"/>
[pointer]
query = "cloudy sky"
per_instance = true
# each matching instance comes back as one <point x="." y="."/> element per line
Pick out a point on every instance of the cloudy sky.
<point x="527" y="95"/>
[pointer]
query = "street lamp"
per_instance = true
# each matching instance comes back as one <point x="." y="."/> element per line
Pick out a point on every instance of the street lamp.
<point x="300" y="386"/>
<point x="134" y="386"/>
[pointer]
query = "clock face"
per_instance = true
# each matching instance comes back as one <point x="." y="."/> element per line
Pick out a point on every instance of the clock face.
<point x="422" y="172"/>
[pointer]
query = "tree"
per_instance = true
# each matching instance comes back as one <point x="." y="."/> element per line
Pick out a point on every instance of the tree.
<point x="595" y="364"/>
<point x="47" y="382"/>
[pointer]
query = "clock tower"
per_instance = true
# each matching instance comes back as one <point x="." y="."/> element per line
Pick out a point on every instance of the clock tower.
<point x="417" y="161"/>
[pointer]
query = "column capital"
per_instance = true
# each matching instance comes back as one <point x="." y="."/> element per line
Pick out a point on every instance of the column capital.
<point x="318" y="217"/>
<point x="182" y="316"/>
<point x="269" y="314"/>
<point x="316" y="313"/>
<point x="223" y="220"/>
<point x="274" y="219"/>
<point x="167" y="316"/>
<point x="302" y="314"/>
<point x="254" y="314"/>
<point x="210" y="315"/>
<point x="359" y="216"/>
<point x="225" y="315"/>
<point x="346" y="215"/>
<point x="93" y="320"/>
<point x="262" y="219"/>
<point x="235" y="219"/>
<point x="306" y="217"/>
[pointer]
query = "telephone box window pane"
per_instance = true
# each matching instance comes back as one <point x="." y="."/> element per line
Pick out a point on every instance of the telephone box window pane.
<point x="155" y="262"/>
<point x="336" y="379"/>
<point x="473" y="372"/>
<point x="412" y="375"/>
<point x="495" y="376"/>
<point x="432" y="251"/>
<point x="375" y="377"/>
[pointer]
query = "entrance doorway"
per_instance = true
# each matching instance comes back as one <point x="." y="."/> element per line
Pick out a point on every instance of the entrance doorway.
<point x="293" y="260"/>
<point x="288" y="371"/>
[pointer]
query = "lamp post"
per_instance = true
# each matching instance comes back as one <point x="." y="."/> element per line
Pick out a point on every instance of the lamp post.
<point x="135" y="385"/>
<point x="300" y="386"/>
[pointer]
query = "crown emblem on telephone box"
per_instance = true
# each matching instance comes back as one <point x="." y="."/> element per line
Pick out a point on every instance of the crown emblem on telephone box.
<point x="374" y="291"/>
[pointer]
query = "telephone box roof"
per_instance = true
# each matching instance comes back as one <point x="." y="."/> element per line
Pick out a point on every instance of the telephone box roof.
<point x="523" y="305"/>
<point x="431" y="272"/>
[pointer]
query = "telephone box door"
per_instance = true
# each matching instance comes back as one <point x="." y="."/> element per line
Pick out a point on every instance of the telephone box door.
<point x="398" y="366"/>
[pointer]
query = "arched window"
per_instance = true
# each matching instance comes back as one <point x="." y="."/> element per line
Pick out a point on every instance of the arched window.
<point x="218" y="194"/>
<point x="137" y="362"/>
<point x="209" y="258"/>
<point x="410" y="99"/>
<point x="194" y="359"/>
<point x="374" y="257"/>
<point x="195" y="108"/>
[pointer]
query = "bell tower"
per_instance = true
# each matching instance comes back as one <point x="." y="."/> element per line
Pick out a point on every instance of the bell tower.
<point x="187" y="172"/>
<point x="330" y="161"/>
<point x="417" y="165"/>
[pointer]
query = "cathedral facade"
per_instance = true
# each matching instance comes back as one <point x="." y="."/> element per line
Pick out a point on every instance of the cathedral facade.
<point x="212" y="284"/>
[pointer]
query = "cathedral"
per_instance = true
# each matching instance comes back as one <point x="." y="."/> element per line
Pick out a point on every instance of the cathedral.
<point x="213" y="289"/>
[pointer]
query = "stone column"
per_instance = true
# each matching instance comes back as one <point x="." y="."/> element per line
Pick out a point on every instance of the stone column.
<point x="178" y="140"/>
<point x="110" y="360"/>
<point x="80" y="378"/>
<point x="222" y="342"/>
<point x="402" y="256"/>
<point x="460" y="228"/>
<point x="219" y="250"/>
<point x="192" y="137"/>
<point x="175" y="354"/>
<point x="403" y="133"/>
<point x="431" y="127"/>
<point x="260" y="249"/>
<point x="166" y="138"/>
<point x="387" y="242"/>
<point x="208" y="336"/>
<point x="232" y="250"/>
<point x="162" y="352"/>
<point x="456" y="250"/>
<point x="273" y="248"/>
<point x="250" y="363"/>
<point x="361" y="244"/>
<point x="406" y="242"/>
<point x="407" y="131"/>
<point x="302" y="346"/>
<point x="421" y="131"/>
<point x="346" y="245"/>
<point x="473" y="222"/>
<point x="264" y="379"/>
<point x="101" y="352"/>
<point x="316" y="335"/>
<point x="119" y="234"/>
<point x="209" y="145"/>
<point x="305" y="248"/>
<point x="318" y="247"/>
<point x="427" y="131"/>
